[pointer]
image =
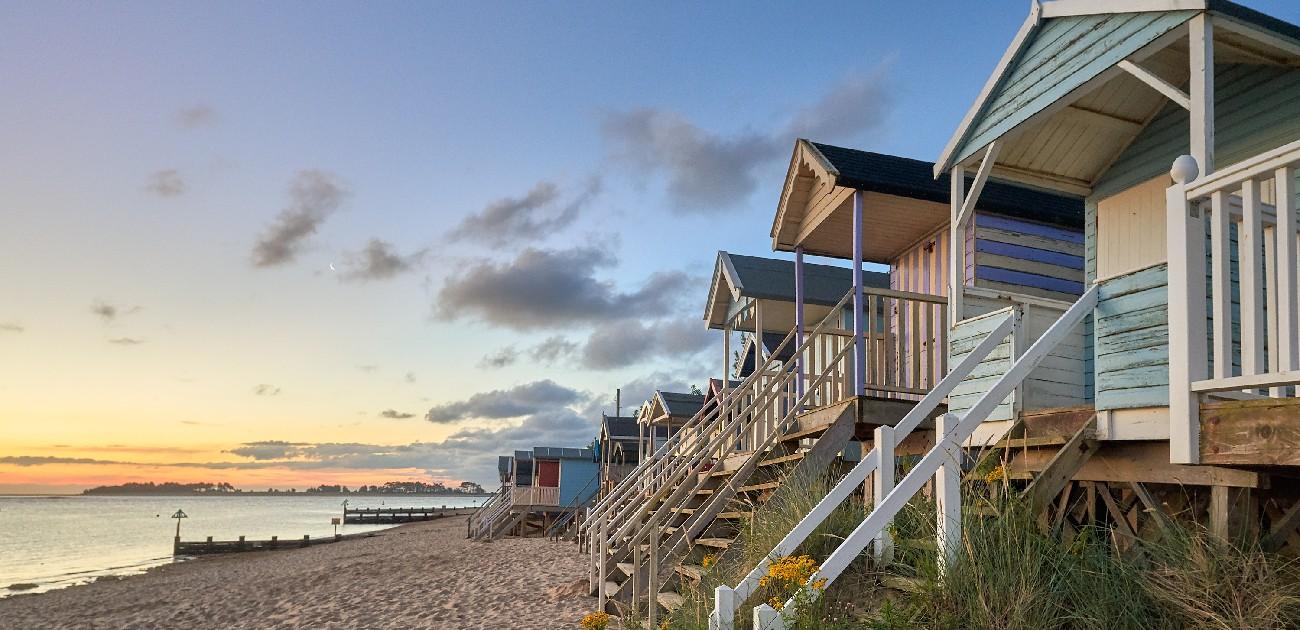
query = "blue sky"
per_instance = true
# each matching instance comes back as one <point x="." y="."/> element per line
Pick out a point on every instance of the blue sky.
<point x="152" y="146"/>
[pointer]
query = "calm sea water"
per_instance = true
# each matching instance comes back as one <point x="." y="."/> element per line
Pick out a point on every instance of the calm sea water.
<point x="53" y="542"/>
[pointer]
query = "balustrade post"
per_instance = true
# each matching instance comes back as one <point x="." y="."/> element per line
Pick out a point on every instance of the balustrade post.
<point x="947" y="490"/>
<point x="1185" y="237"/>
<point x="602" y="530"/>
<point x="723" y="616"/>
<point x="882" y="483"/>
<point x="768" y="618"/>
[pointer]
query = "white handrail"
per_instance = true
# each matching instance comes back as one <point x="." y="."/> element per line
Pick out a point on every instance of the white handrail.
<point x="766" y="617"/>
<point x="726" y="599"/>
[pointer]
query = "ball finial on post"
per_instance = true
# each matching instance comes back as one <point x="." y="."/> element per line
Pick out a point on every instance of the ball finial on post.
<point x="1185" y="169"/>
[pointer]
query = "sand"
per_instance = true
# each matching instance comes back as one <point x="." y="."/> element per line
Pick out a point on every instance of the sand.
<point x="421" y="575"/>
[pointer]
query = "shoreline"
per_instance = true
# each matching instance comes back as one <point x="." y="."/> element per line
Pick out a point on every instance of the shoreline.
<point x="424" y="574"/>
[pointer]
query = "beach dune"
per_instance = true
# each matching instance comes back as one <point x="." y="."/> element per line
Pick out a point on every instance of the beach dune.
<point x="421" y="575"/>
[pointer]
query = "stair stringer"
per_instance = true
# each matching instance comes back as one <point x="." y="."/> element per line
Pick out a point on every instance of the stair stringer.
<point x="817" y="460"/>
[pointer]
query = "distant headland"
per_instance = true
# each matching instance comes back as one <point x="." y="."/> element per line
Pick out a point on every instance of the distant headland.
<point x="171" y="488"/>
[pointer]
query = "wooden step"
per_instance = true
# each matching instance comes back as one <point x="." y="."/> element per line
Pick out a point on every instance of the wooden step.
<point x="691" y="571"/>
<point x="670" y="601"/>
<point x="722" y="472"/>
<point x="770" y="485"/>
<point x="704" y="491"/>
<point x="731" y="516"/>
<point x="717" y="543"/>
<point x="682" y="510"/>
<point x="803" y="433"/>
<point x="611" y="587"/>
<point x="625" y="567"/>
<point x="793" y="457"/>
<point x="1033" y="442"/>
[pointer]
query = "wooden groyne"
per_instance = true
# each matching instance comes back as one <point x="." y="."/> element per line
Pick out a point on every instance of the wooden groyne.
<point x="388" y="516"/>
<point x="210" y="546"/>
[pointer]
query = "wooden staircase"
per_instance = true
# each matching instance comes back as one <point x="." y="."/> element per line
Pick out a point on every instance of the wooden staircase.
<point x="710" y="521"/>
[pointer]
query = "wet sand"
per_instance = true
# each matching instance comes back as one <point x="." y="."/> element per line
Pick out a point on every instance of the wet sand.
<point x="421" y="575"/>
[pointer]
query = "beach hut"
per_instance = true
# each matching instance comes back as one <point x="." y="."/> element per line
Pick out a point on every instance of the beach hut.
<point x="540" y="487"/>
<point x="618" y="449"/>
<point x="1177" y="125"/>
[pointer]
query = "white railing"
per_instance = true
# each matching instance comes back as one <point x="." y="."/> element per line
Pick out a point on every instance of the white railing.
<point x="536" y="495"/>
<point x="942" y="463"/>
<point x="1266" y="249"/>
<point x="730" y="429"/>
<point x="491" y="517"/>
<point x="727" y="599"/>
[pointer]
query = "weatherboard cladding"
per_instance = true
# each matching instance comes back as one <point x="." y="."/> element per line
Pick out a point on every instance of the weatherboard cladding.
<point x="1256" y="108"/>
<point x="905" y="177"/>
<point x="1061" y="55"/>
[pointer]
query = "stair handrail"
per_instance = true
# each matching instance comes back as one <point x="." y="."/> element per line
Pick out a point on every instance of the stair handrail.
<point x="772" y="392"/>
<point x="727" y="599"/>
<point x="486" y="505"/>
<point x="766" y="617"/>
<point x="503" y="507"/>
<point x="724" y="430"/>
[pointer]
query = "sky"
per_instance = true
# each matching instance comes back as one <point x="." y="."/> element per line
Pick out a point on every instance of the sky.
<point x="285" y="244"/>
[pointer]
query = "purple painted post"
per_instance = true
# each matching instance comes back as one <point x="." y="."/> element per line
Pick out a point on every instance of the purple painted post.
<point x="798" y="319"/>
<point x="859" y="314"/>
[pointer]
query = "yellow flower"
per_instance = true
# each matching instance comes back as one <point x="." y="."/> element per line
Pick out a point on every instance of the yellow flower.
<point x="819" y="584"/>
<point x="995" y="474"/>
<point x="598" y="620"/>
<point x="776" y="603"/>
<point x="708" y="561"/>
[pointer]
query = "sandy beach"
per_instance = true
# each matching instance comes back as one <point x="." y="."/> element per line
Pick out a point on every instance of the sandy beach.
<point x="421" y="575"/>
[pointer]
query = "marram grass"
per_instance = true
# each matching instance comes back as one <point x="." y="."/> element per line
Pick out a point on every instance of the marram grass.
<point x="1007" y="576"/>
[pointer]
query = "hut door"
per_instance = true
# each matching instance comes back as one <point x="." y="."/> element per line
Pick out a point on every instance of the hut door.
<point x="548" y="474"/>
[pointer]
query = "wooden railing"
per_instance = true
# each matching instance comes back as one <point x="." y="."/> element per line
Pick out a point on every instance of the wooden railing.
<point x="942" y="463"/>
<point x="536" y="495"/>
<point x="1266" y="251"/>
<point x="727" y="599"/>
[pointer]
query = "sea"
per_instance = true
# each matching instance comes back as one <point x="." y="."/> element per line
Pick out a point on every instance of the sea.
<point x="54" y="542"/>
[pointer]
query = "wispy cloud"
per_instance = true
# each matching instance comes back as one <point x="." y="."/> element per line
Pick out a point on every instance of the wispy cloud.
<point x="552" y="349"/>
<point x="533" y="216"/>
<point x="622" y="344"/>
<point x="368" y="368"/>
<point x="515" y="402"/>
<point x="500" y="358"/>
<point x="126" y="341"/>
<point x="166" y="183"/>
<point x="395" y="414"/>
<point x="313" y="196"/>
<point x="553" y="289"/>
<point x="11" y="327"/>
<point x="109" y="313"/>
<point x="410" y="377"/>
<point x="196" y="116"/>
<point x="709" y="171"/>
<point x="263" y="389"/>
<point x="379" y="261"/>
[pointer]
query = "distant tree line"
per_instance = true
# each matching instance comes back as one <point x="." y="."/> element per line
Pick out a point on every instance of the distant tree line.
<point x="393" y="487"/>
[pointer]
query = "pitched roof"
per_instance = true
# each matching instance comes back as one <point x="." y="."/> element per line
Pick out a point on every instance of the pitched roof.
<point x="562" y="452"/>
<point x="906" y="177"/>
<point x="619" y="426"/>
<point x="738" y="276"/>
<point x="680" y="405"/>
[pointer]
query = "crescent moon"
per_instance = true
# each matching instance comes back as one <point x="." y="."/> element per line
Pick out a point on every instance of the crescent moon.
<point x="332" y="267"/>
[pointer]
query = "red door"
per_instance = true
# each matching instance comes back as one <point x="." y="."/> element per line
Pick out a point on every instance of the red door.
<point x="548" y="473"/>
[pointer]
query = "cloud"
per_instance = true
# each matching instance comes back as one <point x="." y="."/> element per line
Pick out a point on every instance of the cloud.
<point x="313" y="196"/>
<point x="12" y="327"/>
<point x="533" y="216"/>
<point x="110" y="312"/>
<point x="552" y="289"/>
<point x="518" y="401"/>
<point x="378" y="261"/>
<point x="638" y="390"/>
<point x="266" y="390"/>
<point x="708" y="171"/>
<point x="126" y="341"/>
<point x="368" y="368"/>
<point x="166" y="183"/>
<point x="196" y="116"/>
<point x="271" y="449"/>
<point x="552" y="349"/>
<point x="395" y="414"/>
<point x="410" y="377"/>
<point x="625" y="343"/>
<point x="499" y="359"/>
